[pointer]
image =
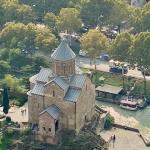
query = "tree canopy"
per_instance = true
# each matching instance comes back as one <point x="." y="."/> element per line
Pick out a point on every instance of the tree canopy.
<point x="94" y="42"/>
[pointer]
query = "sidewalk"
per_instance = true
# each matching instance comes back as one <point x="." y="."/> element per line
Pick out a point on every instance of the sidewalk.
<point x="125" y="140"/>
<point x="18" y="114"/>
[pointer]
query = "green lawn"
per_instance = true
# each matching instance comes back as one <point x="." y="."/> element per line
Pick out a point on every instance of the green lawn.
<point x="117" y="80"/>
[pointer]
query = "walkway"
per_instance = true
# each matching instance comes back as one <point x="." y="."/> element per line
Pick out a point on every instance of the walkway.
<point x="18" y="114"/>
<point x="125" y="140"/>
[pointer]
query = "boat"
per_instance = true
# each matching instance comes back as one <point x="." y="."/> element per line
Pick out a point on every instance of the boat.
<point x="130" y="105"/>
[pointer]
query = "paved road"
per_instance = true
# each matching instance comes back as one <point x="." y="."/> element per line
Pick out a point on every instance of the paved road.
<point x="104" y="66"/>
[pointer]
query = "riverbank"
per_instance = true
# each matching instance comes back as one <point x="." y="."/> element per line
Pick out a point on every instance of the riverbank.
<point x="139" y="119"/>
<point x="125" y="140"/>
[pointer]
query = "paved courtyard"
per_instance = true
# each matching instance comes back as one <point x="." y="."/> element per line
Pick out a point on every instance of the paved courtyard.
<point x="18" y="114"/>
<point x="125" y="140"/>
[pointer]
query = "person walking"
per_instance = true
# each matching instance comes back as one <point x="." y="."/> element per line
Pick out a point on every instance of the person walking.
<point x="114" y="138"/>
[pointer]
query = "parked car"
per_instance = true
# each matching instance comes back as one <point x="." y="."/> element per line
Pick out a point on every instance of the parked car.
<point x="104" y="57"/>
<point x="117" y="69"/>
<point x="82" y="53"/>
<point x="147" y="73"/>
<point x="84" y="29"/>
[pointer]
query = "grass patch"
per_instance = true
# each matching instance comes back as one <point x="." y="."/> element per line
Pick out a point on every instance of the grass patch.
<point x="117" y="80"/>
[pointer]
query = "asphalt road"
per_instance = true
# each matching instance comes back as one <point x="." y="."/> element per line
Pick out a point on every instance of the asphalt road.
<point x="104" y="66"/>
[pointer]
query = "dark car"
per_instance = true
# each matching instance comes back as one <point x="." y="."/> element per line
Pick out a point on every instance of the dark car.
<point x="119" y="70"/>
<point x="147" y="73"/>
<point x="84" y="29"/>
<point x="104" y="57"/>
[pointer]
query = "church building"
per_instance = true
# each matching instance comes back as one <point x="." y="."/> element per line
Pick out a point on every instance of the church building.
<point x="60" y="97"/>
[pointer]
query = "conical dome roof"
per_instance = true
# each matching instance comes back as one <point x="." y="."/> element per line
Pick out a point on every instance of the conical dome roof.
<point x="63" y="52"/>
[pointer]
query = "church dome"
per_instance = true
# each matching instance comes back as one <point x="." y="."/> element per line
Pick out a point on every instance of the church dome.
<point x="63" y="52"/>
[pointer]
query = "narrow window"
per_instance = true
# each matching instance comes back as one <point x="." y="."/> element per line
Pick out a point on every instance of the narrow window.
<point x="86" y="87"/>
<point x="53" y="93"/>
<point x="49" y="129"/>
<point x="44" y="128"/>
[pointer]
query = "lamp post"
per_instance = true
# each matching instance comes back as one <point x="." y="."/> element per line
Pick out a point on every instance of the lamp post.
<point x="123" y="76"/>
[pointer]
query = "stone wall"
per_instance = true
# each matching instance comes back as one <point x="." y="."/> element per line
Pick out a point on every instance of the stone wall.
<point x="35" y="106"/>
<point x="64" y="68"/>
<point x="85" y="106"/>
<point x="67" y="119"/>
<point x="46" y="125"/>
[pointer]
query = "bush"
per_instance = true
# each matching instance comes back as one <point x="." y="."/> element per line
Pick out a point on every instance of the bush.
<point x="108" y="122"/>
<point x="8" y="119"/>
<point x="9" y="132"/>
<point x="26" y="131"/>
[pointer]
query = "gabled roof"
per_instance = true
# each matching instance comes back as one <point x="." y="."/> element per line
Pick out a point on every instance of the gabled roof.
<point x="38" y="89"/>
<point x="61" y="83"/>
<point x="53" y="111"/>
<point x="72" y="95"/>
<point x="44" y="74"/>
<point x="77" y="80"/>
<point x="63" y="52"/>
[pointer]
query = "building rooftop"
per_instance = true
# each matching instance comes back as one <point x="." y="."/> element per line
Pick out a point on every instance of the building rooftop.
<point x="77" y="80"/>
<point x="44" y="74"/>
<point x="53" y="111"/>
<point x="72" y="95"/>
<point x="61" y="83"/>
<point x="38" y="89"/>
<point x="109" y="89"/>
<point x="63" y="52"/>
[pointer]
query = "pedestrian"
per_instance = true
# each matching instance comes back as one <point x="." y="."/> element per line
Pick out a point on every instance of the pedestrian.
<point x="113" y="138"/>
<point x="22" y="112"/>
<point x="25" y="111"/>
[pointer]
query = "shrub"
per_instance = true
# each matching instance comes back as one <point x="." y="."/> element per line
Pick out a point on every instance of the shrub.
<point x="26" y="131"/>
<point x="108" y="122"/>
<point x="8" y="119"/>
<point x="9" y="132"/>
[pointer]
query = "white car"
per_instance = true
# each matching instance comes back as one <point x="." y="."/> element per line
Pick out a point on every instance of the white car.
<point x="82" y="53"/>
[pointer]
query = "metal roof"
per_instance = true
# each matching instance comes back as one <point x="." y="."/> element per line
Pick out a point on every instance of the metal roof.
<point x="63" y="52"/>
<point x="44" y="74"/>
<point x="109" y="89"/>
<point x="53" y="111"/>
<point x="77" y="80"/>
<point x="38" y="89"/>
<point x="72" y="95"/>
<point x="60" y="82"/>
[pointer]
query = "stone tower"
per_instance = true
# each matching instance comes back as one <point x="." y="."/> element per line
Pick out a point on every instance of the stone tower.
<point x="63" y="60"/>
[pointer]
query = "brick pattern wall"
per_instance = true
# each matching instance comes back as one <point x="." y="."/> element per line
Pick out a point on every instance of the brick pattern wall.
<point x="64" y="68"/>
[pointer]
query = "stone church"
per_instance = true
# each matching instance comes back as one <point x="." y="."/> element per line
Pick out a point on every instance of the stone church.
<point x="61" y="97"/>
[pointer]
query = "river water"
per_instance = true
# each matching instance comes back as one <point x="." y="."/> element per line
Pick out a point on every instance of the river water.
<point x="139" y="119"/>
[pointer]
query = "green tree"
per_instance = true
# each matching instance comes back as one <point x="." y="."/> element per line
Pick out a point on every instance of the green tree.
<point x="5" y="101"/>
<point x="28" y="38"/>
<point x="140" y="18"/>
<point x="16" y="58"/>
<point x="40" y="61"/>
<point x="45" y="40"/>
<point x="92" y="10"/>
<point x="120" y="12"/>
<point x="69" y="20"/>
<point x="4" y="68"/>
<point x="108" y="122"/>
<point x="13" y="11"/>
<point x="120" y="47"/>
<point x="140" y="53"/>
<point x="94" y="42"/>
<point x="50" y="20"/>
